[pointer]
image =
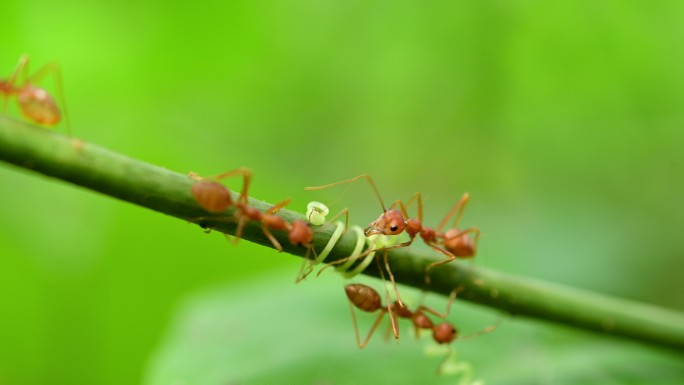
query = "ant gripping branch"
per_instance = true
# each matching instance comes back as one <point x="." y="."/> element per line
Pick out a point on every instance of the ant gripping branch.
<point x="453" y="243"/>
<point x="215" y="198"/>
<point x="36" y="103"/>
<point x="390" y="222"/>
<point x="456" y="243"/>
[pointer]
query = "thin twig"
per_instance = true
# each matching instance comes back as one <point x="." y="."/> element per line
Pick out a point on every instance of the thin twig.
<point x="159" y="189"/>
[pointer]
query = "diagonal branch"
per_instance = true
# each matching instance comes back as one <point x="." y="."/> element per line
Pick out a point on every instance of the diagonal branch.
<point x="168" y="192"/>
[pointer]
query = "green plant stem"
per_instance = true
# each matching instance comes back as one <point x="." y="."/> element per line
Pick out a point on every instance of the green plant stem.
<point x="159" y="189"/>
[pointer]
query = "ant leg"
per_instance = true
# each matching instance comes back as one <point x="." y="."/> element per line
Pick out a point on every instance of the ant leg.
<point x="240" y="227"/>
<point x="50" y="68"/>
<point x="274" y="209"/>
<point x="392" y="315"/>
<point x="485" y="330"/>
<point x="270" y="237"/>
<point x="397" y="246"/>
<point x="459" y="206"/>
<point x="354" y="179"/>
<point x="302" y="274"/>
<point x="21" y="68"/>
<point x="452" y="298"/>
<point x="363" y="344"/>
<point x="415" y="198"/>
<point x="394" y="284"/>
<point x="345" y="212"/>
<point x="246" y="181"/>
<point x="450" y="257"/>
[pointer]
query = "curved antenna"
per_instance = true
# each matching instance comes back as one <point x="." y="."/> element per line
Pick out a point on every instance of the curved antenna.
<point x="354" y="179"/>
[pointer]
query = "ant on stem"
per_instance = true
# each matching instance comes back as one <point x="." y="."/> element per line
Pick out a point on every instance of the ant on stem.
<point x="36" y="103"/>
<point x="457" y="243"/>
<point x="453" y="243"/>
<point x="390" y="222"/>
<point x="215" y="198"/>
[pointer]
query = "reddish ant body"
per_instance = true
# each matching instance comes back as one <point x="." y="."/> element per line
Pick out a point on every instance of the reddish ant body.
<point x="215" y="198"/>
<point x="453" y="243"/>
<point x="35" y="103"/>
<point x="367" y="299"/>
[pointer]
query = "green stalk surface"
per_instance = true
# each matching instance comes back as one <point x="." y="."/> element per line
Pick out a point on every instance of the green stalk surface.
<point x="98" y="169"/>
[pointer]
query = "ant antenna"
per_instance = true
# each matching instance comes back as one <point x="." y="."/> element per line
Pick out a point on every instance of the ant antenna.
<point x="354" y="179"/>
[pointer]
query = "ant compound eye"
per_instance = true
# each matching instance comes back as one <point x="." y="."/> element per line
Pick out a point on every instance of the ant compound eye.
<point x="394" y="228"/>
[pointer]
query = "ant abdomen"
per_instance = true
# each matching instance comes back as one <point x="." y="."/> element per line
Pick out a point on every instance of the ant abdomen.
<point x="37" y="104"/>
<point x="363" y="297"/>
<point x="212" y="196"/>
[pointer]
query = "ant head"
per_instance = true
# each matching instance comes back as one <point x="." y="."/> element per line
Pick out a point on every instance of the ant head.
<point x="38" y="105"/>
<point x="300" y="233"/>
<point x="459" y="244"/>
<point x="212" y="196"/>
<point x="444" y="333"/>
<point x="391" y="222"/>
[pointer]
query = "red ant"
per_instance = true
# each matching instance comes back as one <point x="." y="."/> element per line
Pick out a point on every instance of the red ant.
<point x="390" y="222"/>
<point x="453" y="243"/>
<point x="367" y="299"/>
<point x="216" y="198"/>
<point x="456" y="243"/>
<point x="35" y="103"/>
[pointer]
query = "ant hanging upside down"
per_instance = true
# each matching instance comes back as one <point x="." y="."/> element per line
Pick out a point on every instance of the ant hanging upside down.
<point x="365" y="298"/>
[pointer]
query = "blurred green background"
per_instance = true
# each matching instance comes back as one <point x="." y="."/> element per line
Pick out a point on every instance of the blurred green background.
<point x="563" y="121"/>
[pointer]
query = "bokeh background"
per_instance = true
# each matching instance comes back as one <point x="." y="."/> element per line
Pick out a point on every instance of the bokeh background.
<point x="563" y="121"/>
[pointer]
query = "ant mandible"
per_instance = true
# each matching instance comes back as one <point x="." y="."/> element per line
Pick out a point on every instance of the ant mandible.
<point x="35" y="102"/>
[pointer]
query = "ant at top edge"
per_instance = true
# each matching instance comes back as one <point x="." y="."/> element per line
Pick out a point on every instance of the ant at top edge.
<point x="36" y="103"/>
